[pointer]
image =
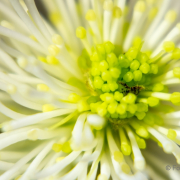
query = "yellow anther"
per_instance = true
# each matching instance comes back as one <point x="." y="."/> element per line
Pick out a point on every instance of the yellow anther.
<point x="125" y="168"/>
<point x="90" y="15"/>
<point x="66" y="147"/>
<point x="125" y="145"/>
<point x="57" y="147"/>
<point x="176" y="72"/>
<point x="43" y="59"/>
<point x="153" y="12"/>
<point x="57" y="39"/>
<point x="90" y="31"/>
<point x="118" y="156"/>
<point x="6" y="24"/>
<point x="83" y="106"/>
<point x="171" y="16"/>
<point x="55" y="17"/>
<point x="125" y="13"/>
<point x="175" y="98"/>
<point x="22" y="62"/>
<point x="176" y="53"/>
<point x="142" y="131"/>
<point x="168" y="46"/>
<point x="47" y="108"/>
<point x="33" y="38"/>
<point x="59" y="159"/>
<point x="52" y="60"/>
<point x="102" y="177"/>
<point x="148" y="53"/>
<point x="141" y="142"/>
<point x="137" y="41"/>
<point x="81" y="32"/>
<point x="42" y="87"/>
<point x="117" y="12"/>
<point x="74" y="98"/>
<point x="53" y="50"/>
<point x="32" y="135"/>
<point x="140" y="6"/>
<point x="11" y="89"/>
<point x="171" y="134"/>
<point x="68" y="47"/>
<point x="108" y="5"/>
<point x="126" y="149"/>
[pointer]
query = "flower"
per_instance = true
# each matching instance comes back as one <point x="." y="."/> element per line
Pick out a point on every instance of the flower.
<point x="84" y="91"/>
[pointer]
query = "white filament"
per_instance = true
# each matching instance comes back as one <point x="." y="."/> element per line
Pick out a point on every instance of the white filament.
<point x="106" y="25"/>
<point x="139" y="160"/>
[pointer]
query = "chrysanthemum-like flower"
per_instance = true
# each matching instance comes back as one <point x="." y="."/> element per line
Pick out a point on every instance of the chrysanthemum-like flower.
<point x="84" y="90"/>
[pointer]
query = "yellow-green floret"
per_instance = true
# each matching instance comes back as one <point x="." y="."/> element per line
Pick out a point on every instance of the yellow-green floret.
<point x="116" y="79"/>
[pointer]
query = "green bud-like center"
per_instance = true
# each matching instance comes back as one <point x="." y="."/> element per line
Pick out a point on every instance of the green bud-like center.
<point x="115" y="81"/>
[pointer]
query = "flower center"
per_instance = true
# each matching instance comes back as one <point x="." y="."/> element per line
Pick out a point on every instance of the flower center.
<point x="116" y="79"/>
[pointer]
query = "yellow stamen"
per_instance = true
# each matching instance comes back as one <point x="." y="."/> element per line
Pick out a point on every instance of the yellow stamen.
<point x="140" y="6"/>
<point x="57" y="39"/>
<point x="59" y="159"/>
<point x="81" y="33"/>
<point x="57" y="147"/>
<point x="168" y="46"/>
<point x="47" y="108"/>
<point x="11" y="89"/>
<point x="83" y="106"/>
<point x="171" y="16"/>
<point x="171" y="134"/>
<point x="55" y="17"/>
<point x="33" y="38"/>
<point x="42" y="87"/>
<point x="43" y="59"/>
<point x="152" y="14"/>
<point x="66" y="147"/>
<point x="125" y="145"/>
<point x="125" y="168"/>
<point x="74" y="98"/>
<point x="52" y="60"/>
<point x="53" y="50"/>
<point x="118" y="156"/>
<point x="117" y="12"/>
<point x="90" y="16"/>
<point x="108" y="5"/>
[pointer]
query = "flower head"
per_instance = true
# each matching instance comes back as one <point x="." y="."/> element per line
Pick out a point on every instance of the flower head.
<point x="86" y="91"/>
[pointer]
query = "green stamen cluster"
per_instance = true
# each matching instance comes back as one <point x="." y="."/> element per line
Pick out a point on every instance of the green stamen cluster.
<point x="117" y="80"/>
<point x="124" y="86"/>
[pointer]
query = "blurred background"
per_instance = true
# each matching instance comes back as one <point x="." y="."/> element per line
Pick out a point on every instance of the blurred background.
<point x="40" y="7"/>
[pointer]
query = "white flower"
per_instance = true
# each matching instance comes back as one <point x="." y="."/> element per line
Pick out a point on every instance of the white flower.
<point x="86" y="89"/>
